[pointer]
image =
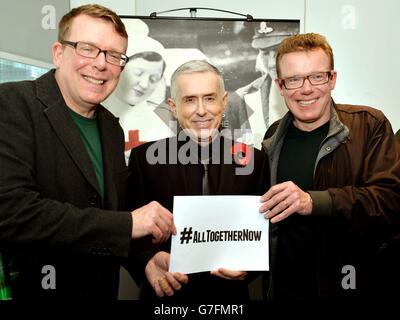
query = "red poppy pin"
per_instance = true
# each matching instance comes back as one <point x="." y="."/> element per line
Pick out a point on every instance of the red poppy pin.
<point x="242" y="154"/>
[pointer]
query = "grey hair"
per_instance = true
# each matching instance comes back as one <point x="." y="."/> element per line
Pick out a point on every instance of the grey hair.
<point x="194" y="66"/>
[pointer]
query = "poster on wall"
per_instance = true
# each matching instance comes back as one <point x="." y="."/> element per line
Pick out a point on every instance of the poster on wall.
<point x="243" y="50"/>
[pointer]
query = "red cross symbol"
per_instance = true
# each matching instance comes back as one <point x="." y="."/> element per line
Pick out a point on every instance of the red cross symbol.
<point x="133" y="140"/>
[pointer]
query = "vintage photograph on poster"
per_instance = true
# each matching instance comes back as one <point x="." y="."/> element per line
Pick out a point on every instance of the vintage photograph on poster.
<point x="243" y="50"/>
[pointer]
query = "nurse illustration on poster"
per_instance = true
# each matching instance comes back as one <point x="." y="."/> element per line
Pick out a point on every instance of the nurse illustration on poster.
<point x="139" y="101"/>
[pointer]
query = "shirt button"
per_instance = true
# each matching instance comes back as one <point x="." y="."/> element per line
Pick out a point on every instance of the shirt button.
<point x="328" y="148"/>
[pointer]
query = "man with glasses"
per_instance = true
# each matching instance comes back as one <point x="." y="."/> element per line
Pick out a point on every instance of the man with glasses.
<point x="63" y="231"/>
<point x="335" y="196"/>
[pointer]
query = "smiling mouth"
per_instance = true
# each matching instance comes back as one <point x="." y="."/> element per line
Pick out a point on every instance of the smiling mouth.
<point x="93" y="80"/>
<point x="137" y="92"/>
<point x="202" y="123"/>
<point x="307" y="102"/>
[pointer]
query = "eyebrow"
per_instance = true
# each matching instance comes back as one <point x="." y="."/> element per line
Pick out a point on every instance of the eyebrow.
<point x="201" y="95"/>
<point x="101" y="48"/>
<point x="304" y="75"/>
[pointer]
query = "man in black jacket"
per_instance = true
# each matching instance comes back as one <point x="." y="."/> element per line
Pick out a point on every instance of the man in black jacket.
<point x="178" y="165"/>
<point x="63" y="233"/>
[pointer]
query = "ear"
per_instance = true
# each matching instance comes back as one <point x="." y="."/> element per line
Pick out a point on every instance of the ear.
<point x="332" y="81"/>
<point x="57" y="50"/>
<point x="280" y="87"/>
<point x="225" y="100"/>
<point x="172" y="107"/>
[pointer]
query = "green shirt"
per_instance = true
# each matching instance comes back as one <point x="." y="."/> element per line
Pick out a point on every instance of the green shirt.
<point x="90" y="134"/>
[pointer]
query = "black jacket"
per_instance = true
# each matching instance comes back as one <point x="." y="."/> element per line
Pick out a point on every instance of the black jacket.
<point x="161" y="182"/>
<point x="51" y="211"/>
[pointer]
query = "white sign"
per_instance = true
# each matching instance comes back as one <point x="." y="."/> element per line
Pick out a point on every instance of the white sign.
<point x="219" y="232"/>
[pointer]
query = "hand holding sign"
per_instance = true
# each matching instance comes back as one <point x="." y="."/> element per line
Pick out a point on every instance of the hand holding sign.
<point x="162" y="281"/>
<point x="229" y="274"/>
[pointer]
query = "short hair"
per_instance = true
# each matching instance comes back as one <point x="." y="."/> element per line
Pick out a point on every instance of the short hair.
<point x="194" y="66"/>
<point x="92" y="10"/>
<point x="303" y="42"/>
<point x="151" y="56"/>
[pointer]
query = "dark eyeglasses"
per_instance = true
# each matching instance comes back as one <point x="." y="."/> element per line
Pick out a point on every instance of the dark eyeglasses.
<point x="297" y="82"/>
<point x="88" y="50"/>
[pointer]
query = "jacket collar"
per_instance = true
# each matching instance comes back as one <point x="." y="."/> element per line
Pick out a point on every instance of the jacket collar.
<point x="108" y="125"/>
<point x="271" y="143"/>
<point x="337" y="133"/>
<point x="336" y="127"/>
<point x="57" y="112"/>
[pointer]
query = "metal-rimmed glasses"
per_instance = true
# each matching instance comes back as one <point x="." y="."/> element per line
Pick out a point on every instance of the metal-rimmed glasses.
<point x="88" y="50"/>
<point x="315" y="79"/>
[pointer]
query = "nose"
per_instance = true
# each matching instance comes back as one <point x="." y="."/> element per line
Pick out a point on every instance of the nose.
<point x="307" y="87"/>
<point x="100" y="61"/>
<point x="201" y="108"/>
<point x="144" y="81"/>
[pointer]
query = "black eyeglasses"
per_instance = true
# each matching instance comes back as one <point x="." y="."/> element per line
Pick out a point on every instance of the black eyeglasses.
<point x="315" y="79"/>
<point x="88" y="50"/>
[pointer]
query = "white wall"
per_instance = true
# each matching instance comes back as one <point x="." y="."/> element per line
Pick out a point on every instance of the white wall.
<point x="122" y="7"/>
<point x="29" y="28"/>
<point x="364" y="37"/>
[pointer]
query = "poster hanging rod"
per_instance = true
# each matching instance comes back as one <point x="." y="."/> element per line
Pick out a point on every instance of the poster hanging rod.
<point x="193" y="12"/>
